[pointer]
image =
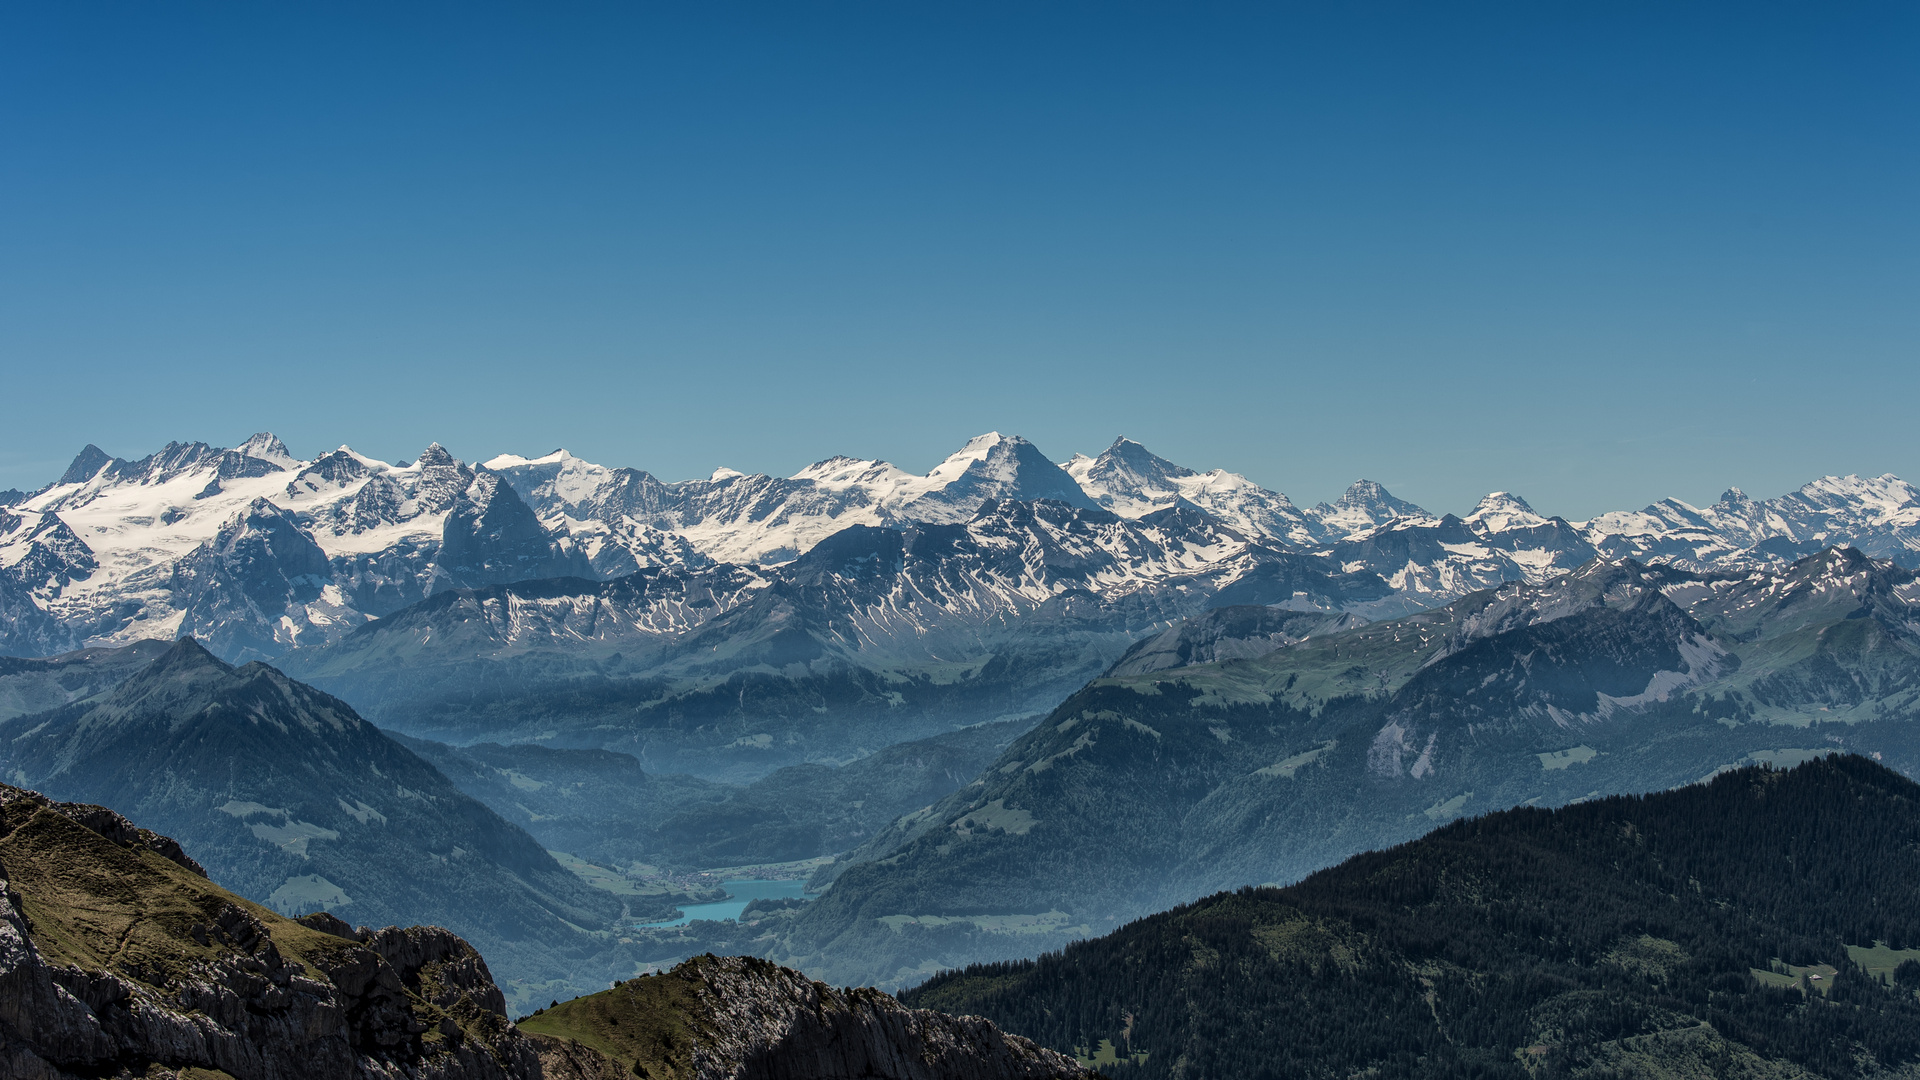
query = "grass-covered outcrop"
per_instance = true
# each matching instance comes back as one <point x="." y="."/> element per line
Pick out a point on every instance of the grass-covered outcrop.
<point x="743" y="1018"/>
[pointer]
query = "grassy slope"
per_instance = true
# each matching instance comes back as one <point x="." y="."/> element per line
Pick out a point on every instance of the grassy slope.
<point x="645" y="1024"/>
<point x="95" y="905"/>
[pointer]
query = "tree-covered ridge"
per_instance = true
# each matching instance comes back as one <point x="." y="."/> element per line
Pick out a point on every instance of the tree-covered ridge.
<point x="1672" y="934"/>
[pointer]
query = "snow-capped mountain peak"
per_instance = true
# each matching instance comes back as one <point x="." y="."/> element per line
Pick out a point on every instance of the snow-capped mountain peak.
<point x="267" y="446"/>
<point x="957" y="463"/>
<point x="229" y="542"/>
<point x="434" y="456"/>
<point x="86" y="465"/>
<point x="1500" y="511"/>
<point x="889" y="484"/>
<point x="1367" y="504"/>
<point x="1132" y="481"/>
<point x="1129" y="479"/>
<point x="988" y="467"/>
<point x="509" y="461"/>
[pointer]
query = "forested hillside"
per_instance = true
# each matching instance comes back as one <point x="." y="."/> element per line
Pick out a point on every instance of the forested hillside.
<point x="1764" y="924"/>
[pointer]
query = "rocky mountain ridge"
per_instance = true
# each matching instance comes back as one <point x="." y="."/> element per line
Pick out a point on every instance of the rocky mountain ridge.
<point x="742" y="1018"/>
<point x="873" y="636"/>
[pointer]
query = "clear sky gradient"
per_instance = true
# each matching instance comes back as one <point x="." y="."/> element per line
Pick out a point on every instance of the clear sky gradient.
<point x="1594" y="253"/>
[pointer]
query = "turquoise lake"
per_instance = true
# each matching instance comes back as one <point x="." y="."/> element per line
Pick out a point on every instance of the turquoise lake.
<point x="739" y="895"/>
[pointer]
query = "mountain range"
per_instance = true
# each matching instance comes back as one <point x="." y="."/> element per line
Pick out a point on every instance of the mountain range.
<point x="1022" y="702"/>
<point x="736" y="624"/>
<point x="263" y="552"/>
<point x="1160" y="784"/>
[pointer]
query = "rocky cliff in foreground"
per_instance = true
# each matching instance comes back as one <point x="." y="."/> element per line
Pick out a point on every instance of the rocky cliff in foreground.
<point x="743" y="1018"/>
<point x="119" y="958"/>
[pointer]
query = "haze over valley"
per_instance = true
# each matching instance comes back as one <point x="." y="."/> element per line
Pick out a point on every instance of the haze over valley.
<point x="1239" y="566"/>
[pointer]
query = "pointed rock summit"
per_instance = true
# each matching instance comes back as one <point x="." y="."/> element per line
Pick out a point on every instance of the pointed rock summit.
<point x="1367" y="504"/>
<point x="1502" y="510"/>
<point x="1129" y="479"/>
<point x="435" y="456"/>
<point x="86" y="465"/>
<point x="267" y="446"/>
<point x="993" y="466"/>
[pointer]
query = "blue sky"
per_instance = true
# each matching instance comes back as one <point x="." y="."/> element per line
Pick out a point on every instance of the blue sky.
<point x="1595" y="253"/>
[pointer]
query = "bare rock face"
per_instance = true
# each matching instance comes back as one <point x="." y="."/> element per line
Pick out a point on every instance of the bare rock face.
<point x="744" y="1018"/>
<point x="118" y="958"/>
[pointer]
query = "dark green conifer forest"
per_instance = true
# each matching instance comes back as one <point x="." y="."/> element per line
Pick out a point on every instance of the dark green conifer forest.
<point x="1750" y="926"/>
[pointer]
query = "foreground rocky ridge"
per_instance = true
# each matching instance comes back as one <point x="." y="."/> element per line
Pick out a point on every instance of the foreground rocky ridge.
<point x="742" y="1018"/>
<point x="119" y="958"/>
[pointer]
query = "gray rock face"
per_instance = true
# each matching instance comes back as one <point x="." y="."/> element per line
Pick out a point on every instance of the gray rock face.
<point x="491" y="538"/>
<point x="238" y="588"/>
<point x="773" y="1023"/>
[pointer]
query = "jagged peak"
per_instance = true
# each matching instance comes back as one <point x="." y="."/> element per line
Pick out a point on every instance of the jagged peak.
<point x="1126" y="453"/>
<point x="516" y="461"/>
<point x="267" y="446"/>
<point x="186" y="654"/>
<point x="843" y="471"/>
<point x="436" y="456"/>
<point x="1373" y="495"/>
<point x="86" y="465"/>
<point x="1361" y="492"/>
<point x="1502" y="500"/>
